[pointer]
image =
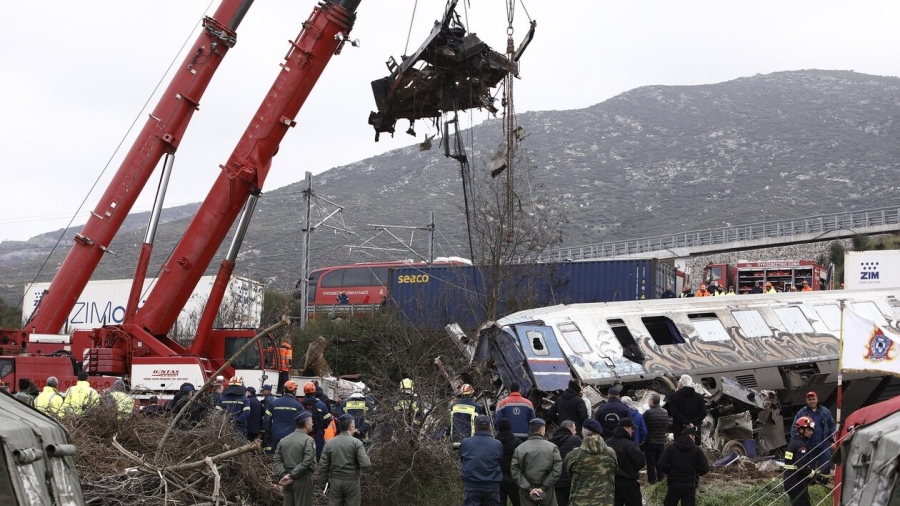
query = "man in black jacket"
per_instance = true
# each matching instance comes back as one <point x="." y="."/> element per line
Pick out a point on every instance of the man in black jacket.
<point x="686" y="407"/>
<point x="685" y="463"/>
<point x="565" y="439"/>
<point x="569" y="406"/>
<point x="631" y="461"/>
<point x="610" y="413"/>
<point x="658" y="421"/>
<point x="508" y="488"/>
<point x="254" y="423"/>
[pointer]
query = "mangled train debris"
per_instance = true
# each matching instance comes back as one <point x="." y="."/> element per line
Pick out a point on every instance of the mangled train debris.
<point x="451" y="71"/>
<point x="755" y="356"/>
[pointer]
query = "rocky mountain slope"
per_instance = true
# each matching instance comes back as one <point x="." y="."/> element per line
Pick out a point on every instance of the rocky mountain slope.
<point x="652" y="160"/>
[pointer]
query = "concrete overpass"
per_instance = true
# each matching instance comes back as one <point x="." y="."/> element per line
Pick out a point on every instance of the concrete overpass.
<point x="741" y="237"/>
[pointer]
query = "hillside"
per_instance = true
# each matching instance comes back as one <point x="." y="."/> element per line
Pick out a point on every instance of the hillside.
<point x="655" y="159"/>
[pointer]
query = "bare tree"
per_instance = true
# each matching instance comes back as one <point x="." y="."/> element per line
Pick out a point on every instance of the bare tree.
<point x="509" y="223"/>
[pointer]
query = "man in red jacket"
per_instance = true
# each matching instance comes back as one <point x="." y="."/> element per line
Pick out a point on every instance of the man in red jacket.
<point x="517" y="409"/>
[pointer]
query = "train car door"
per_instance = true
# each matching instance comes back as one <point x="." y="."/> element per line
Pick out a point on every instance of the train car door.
<point x="544" y="357"/>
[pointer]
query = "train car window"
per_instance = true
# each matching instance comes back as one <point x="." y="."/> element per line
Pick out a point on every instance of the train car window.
<point x="379" y="276"/>
<point x="311" y="289"/>
<point x="708" y="327"/>
<point x="895" y="307"/>
<point x="663" y="330"/>
<point x="794" y="320"/>
<point x="752" y="323"/>
<point x="357" y="277"/>
<point x="572" y="334"/>
<point x="830" y="315"/>
<point x="870" y="311"/>
<point x="630" y="348"/>
<point x="333" y="279"/>
<point x="538" y="346"/>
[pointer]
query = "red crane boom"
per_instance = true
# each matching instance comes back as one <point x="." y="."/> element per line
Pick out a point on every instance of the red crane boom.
<point x="140" y="346"/>
<point x="245" y="171"/>
<point x="161" y="134"/>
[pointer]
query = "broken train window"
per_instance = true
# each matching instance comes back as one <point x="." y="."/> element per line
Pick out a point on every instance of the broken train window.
<point x="663" y="330"/>
<point x="752" y="323"/>
<point x="538" y="346"/>
<point x="830" y="315"/>
<point x="574" y="338"/>
<point x="708" y="326"/>
<point x="630" y="348"/>
<point x="794" y="320"/>
<point x="869" y="311"/>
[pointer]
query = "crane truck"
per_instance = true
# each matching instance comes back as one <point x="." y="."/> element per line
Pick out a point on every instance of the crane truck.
<point x="139" y="348"/>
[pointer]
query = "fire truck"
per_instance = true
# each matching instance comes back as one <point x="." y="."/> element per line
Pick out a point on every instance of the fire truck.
<point x="139" y="347"/>
<point x="782" y="274"/>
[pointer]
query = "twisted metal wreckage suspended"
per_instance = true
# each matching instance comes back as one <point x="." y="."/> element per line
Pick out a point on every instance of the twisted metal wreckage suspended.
<point x="458" y="73"/>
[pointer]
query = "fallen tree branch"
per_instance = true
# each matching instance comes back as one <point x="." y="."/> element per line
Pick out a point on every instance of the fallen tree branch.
<point x="134" y="458"/>
<point x="217" y="478"/>
<point x="200" y="463"/>
<point x="184" y="409"/>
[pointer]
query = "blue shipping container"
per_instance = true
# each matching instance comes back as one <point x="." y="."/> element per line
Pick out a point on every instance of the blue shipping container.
<point x="432" y="297"/>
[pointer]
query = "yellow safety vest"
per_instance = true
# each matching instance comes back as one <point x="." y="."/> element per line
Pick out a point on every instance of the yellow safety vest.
<point x="79" y="398"/>
<point x="49" y="401"/>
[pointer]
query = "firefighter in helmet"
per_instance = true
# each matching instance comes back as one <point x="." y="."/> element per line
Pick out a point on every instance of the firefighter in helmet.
<point x="462" y="415"/>
<point x="321" y="416"/>
<point x="407" y="406"/>
<point x="235" y="405"/>
<point x="280" y="417"/>
<point x="799" y="463"/>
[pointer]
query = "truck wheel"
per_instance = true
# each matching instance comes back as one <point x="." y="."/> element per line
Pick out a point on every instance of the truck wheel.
<point x="734" y="445"/>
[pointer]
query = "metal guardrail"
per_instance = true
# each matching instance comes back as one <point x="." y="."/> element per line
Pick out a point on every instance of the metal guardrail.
<point x="341" y="310"/>
<point x="851" y="222"/>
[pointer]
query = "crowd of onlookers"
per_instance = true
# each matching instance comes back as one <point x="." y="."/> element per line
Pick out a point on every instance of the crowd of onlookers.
<point x="591" y="458"/>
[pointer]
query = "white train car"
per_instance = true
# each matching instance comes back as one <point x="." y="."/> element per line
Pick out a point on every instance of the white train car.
<point x="750" y="352"/>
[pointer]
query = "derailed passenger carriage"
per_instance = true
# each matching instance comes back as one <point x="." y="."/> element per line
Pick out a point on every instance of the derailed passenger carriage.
<point x="755" y="355"/>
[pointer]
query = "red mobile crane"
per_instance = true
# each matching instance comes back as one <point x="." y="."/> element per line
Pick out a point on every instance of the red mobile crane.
<point x="140" y="346"/>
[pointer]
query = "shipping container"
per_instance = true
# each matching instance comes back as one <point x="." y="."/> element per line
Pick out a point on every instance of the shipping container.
<point x="431" y="297"/>
<point x="103" y="303"/>
<point x="872" y="269"/>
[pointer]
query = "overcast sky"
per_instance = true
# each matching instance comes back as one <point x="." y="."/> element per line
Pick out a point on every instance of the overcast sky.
<point x="76" y="74"/>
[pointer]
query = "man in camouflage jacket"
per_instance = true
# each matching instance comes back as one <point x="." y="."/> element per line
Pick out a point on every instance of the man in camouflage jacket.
<point x="592" y="468"/>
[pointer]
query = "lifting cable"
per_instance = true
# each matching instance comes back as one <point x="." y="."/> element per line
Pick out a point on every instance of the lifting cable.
<point x="411" y="19"/>
<point x="509" y="125"/>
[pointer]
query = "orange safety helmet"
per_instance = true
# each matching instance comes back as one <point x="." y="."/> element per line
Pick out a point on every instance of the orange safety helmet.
<point x="466" y="390"/>
<point x="236" y="381"/>
<point x="309" y="388"/>
<point x="805" y="422"/>
<point x="290" y="386"/>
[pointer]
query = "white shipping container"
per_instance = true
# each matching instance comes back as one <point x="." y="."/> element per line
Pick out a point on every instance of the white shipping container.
<point x="872" y="269"/>
<point x="103" y="303"/>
